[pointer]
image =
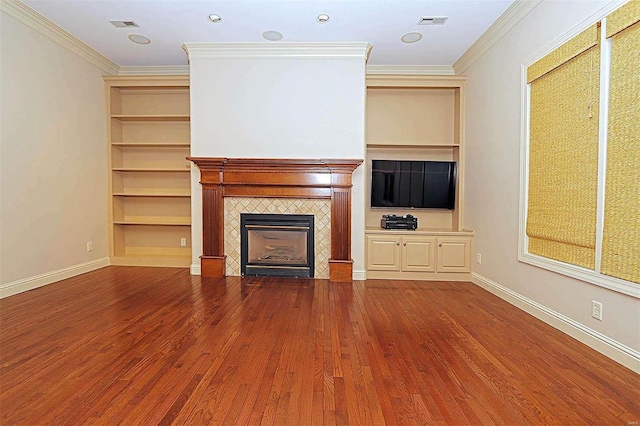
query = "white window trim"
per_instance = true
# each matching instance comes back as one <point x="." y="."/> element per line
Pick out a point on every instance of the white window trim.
<point x="583" y="274"/>
<point x="605" y="74"/>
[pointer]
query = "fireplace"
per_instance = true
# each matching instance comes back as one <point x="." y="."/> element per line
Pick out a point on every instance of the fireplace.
<point x="277" y="245"/>
<point x="275" y="178"/>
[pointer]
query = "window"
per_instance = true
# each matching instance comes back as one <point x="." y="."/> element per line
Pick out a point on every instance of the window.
<point x="580" y="214"/>
<point x="621" y="236"/>
<point x="563" y="151"/>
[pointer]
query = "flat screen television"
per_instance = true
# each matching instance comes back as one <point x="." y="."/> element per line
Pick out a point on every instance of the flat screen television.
<point x="413" y="184"/>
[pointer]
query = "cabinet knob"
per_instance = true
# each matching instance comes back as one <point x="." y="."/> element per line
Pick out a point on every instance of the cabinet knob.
<point x="405" y="244"/>
<point x="439" y="245"/>
<point x="398" y="244"/>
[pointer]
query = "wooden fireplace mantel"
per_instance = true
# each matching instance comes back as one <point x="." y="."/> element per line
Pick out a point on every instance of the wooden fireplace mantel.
<point x="277" y="178"/>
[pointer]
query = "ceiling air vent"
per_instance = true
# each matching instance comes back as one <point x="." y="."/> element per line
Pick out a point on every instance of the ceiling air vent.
<point x="433" y="20"/>
<point x="123" y="24"/>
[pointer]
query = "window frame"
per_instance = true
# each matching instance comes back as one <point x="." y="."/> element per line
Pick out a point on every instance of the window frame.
<point x="573" y="271"/>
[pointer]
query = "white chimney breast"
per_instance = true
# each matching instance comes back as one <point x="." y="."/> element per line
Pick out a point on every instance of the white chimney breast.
<point x="279" y="100"/>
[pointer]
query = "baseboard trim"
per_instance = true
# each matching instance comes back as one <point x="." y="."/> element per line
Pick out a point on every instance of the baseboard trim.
<point x="359" y="275"/>
<point x="195" y="269"/>
<point x="610" y="348"/>
<point x="36" y="281"/>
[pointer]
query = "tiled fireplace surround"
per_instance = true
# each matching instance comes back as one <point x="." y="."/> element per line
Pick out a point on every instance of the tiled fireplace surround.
<point x="319" y="208"/>
<point x="231" y="186"/>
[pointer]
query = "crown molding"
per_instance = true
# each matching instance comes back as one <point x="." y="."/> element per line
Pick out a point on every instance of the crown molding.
<point x="408" y="80"/>
<point x="410" y="69"/>
<point x="591" y="20"/>
<point x="371" y="70"/>
<point x="509" y="19"/>
<point x="32" y="19"/>
<point x="155" y="70"/>
<point x="147" y="80"/>
<point x="278" y="50"/>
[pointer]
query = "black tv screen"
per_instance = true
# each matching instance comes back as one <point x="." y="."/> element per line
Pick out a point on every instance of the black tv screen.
<point x="413" y="184"/>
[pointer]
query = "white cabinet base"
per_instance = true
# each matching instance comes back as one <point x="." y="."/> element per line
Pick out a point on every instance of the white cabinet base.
<point x="454" y="254"/>
<point x="418" y="276"/>
<point x="436" y="255"/>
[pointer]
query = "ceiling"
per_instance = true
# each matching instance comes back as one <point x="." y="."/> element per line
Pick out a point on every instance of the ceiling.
<point x="169" y="23"/>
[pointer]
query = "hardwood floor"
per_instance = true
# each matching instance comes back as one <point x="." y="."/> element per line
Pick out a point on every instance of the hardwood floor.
<point x="158" y="346"/>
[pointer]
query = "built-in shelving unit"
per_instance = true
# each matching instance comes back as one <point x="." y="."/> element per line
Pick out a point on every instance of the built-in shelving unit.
<point x="150" y="197"/>
<point x="417" y="118"/>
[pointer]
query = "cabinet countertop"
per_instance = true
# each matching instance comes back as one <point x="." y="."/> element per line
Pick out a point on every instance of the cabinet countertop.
<point x="420" y="231"/>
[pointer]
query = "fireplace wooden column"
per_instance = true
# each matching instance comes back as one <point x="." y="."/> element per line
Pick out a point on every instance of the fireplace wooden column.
<point x="213" y="260"/>
<point x="277" y="178"/>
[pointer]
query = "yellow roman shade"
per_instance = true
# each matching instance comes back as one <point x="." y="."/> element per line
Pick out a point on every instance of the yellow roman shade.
<point x="577" y="45"/>
<point x="623" y="18"/>
<point x="563" y="151"/>
<point x="621" y="239"/>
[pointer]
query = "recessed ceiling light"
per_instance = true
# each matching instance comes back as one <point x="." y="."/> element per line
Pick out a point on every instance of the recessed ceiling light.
<point x="215" y="18"/>
<point x="323" y="18"/>
<point x="411" y="37"/>
<point x="137" y="38"/>
<point x="272" y="35"/>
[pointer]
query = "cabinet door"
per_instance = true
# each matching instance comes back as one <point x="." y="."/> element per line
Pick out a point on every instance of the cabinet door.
<point x="418" y="254"/>
<point x="383" y="253"/>
<point x="454" y="254"/>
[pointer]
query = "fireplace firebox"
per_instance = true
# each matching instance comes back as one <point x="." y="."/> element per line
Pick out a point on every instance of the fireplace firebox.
<point x="277" y="245"/>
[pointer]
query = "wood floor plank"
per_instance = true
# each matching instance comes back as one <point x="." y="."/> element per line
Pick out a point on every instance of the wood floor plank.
<point x="157" y="346"/>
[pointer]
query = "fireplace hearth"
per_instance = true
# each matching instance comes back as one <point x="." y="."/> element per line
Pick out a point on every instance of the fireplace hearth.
<point x="277" y="245"/>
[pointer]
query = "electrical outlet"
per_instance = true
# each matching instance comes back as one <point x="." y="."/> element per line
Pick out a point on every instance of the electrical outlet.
<point x="478" y="258"/>
<point x="90" y="246"/>
<point x="183" y="242"/>
<point x="596" y="310"/>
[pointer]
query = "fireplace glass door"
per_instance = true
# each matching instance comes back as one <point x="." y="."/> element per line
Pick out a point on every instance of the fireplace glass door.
<point x="274" y="246"/>
<point x="277" y="245"/>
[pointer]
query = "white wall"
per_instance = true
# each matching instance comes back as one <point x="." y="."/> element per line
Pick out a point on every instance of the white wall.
<point x="493" y="172"/>
<point x="53" y="157"/>
<point x="279" y="108"/>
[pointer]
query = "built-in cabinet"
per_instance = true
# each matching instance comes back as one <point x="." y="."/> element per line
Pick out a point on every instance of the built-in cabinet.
<point x="408" y="118"/>
<point x="418" y="255"/>
<point x="149" y="181"/>
<point x="417" y="118"/>
<point x="401" y="253"/>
